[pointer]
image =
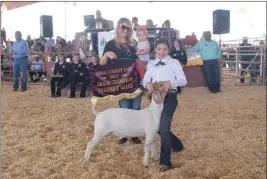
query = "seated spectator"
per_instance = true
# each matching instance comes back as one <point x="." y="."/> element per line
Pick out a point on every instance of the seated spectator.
<point x="48" y="50"/>
<point x="30" y="41"/>
<point x="70" y="49"/>
<point x="3" y="36"/>
<point x="58" y="47"/>
<point x="60" y="75"/>
<point x="51" y="42"/>
<point x="2" y="56"/>
<point x="178" y="53"/>
<point x="78" y="73"/>
<point x="42" y="47"/>
<point x="8" y="46"/>
<point x="62" y="42"/>
<point x="94" y="61"/>
<point x="37" y="69"/>
<point x="36" y="47"/>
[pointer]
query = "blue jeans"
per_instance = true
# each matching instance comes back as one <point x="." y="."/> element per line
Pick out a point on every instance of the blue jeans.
<point x="131" y="103"/>
<point x="212" y="74"/>
<point x="168" y="139"/>
<point x="20" y="65"/>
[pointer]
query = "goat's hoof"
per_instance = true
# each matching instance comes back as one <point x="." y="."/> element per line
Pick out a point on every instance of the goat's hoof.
<point x="156" y="158"/>
<point x="145" y="164"/>
<point x="86" y="158"/>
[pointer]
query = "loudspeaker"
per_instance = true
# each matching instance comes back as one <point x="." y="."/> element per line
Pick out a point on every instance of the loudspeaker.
<point x="89" y="21"/>
<point x="46" y="26"/>
<point x="221" y="21"/>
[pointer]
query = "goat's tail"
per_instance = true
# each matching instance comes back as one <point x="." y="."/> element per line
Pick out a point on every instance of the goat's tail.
<point x="94" y="106"/>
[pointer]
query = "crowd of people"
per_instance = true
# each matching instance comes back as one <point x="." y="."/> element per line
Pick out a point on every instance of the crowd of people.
<point x="71" y="73"/>
<point x="65" y="73"/>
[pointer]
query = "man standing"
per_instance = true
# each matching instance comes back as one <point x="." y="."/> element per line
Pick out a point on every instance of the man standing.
<point x="100" y="23"/>
<point x="135" y="22"/>
<point x="167" y="24"/>
<point x="259" y="51"/>
<point x="211" y="54"/>
<point x="3" y="35"/>
<point x="245" y="51"/>
<point x="20" y="51"/>
<point x="42" y="47"/>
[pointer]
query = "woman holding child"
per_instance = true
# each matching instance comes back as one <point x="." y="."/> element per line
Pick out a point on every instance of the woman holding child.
<point x="121" y="47"/>
<point x="163" y="69"/>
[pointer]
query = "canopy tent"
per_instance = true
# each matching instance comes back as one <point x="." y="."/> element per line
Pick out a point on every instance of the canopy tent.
<point x="9" y="5"/>
<point x="16" y="4"/>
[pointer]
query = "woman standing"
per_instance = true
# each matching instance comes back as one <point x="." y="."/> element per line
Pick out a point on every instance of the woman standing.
<point x="121" y="47"/>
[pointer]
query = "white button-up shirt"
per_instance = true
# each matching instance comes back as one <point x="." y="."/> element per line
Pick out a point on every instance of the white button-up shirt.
<point x="172" y="70"/>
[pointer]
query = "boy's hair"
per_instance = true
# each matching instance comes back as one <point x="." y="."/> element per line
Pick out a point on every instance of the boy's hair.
<point x="76" y="54"/>
<point x="135" y="18"/>
<point x="142" y="29"/>
<point x="94" y="55"/>
<point x="43" y="40"/>
<point x="162" y="41"/>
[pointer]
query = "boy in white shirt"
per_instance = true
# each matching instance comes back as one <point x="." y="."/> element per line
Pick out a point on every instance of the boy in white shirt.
<point x="168" y="71"/>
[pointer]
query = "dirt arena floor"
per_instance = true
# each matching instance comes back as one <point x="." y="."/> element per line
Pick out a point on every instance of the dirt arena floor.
<point x="45" y="138"/>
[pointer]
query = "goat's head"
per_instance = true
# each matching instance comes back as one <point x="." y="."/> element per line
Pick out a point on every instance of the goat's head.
<point x="157" y="95"/>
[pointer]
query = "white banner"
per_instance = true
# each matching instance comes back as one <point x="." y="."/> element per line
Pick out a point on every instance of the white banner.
<point x="103" y="38"/>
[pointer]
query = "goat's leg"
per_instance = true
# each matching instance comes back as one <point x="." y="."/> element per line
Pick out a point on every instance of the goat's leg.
<point x="154" y="153"/>
<point x="148" y="142"/>
<point x="91" y="145"/>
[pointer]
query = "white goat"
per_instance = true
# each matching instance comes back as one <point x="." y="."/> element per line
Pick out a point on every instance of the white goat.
<point x="130" y="123"/>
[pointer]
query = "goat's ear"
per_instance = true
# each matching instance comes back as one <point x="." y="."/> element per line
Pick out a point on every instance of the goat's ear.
<point x="149" y="96"/>
<point x="154" y="86"/>
<point x="161" y="85"/>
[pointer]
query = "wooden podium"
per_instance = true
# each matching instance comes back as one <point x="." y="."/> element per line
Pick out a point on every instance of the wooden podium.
<point x="194" y="76"/>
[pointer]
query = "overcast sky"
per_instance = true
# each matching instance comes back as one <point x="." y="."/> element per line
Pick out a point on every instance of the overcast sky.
<point x="247" y="18"/>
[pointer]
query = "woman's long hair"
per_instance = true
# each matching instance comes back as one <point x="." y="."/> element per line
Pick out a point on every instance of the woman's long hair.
<point x="130" y="31"/>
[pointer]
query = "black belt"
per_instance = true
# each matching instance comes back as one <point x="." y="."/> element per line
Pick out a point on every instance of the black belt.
<point x="172" y="91"/>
